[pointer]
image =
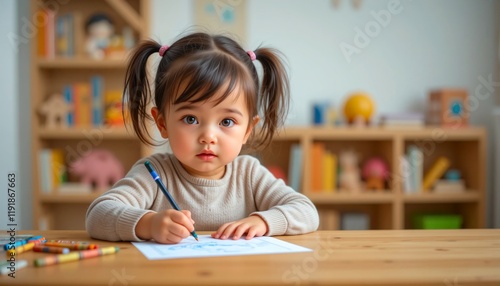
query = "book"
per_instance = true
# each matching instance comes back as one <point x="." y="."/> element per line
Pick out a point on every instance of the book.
<point x="416" y="161"/>
<point x="97" y="105"/>
<point x="83" y="104"/>
<point x="317" y="153"/>
<point x="69" y="99"/>
<point x="405" y="174"/>
<point x="295" y="167"/>
<point x="435" y="172"/>
<point x="449" y="186"/>
<point x="329" y="171"/>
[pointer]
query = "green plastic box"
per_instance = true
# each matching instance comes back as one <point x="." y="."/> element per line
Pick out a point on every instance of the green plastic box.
<point x="437" y="221"/>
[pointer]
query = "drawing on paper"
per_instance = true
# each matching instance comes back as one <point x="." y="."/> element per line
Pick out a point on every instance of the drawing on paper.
<point x="208" y="246"/>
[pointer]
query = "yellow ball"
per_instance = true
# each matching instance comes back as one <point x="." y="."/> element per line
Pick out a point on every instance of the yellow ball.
<point x="359" y="105"/>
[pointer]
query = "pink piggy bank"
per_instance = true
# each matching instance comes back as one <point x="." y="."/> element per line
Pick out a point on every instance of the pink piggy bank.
<point x="98" y="168"/>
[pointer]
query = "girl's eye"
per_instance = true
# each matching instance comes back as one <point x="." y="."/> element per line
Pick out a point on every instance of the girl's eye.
<point x="190" y="119"/>
<point x="227" y="122"/>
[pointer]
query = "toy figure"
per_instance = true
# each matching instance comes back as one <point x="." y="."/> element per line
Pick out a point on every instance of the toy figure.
<point x="100" y="30"/>
<point x="375" y="172"/>
<point x="55" y="109"/>
<point x="349" y="179"/>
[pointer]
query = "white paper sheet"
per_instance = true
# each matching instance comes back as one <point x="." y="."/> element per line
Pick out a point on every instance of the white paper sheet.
<point x="208" y="246"/>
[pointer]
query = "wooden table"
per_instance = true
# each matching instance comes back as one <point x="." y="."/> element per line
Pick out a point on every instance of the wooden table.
<point x="392" y="257"/>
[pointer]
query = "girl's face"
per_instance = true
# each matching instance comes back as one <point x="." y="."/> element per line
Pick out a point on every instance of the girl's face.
<point x="206" y="136"/>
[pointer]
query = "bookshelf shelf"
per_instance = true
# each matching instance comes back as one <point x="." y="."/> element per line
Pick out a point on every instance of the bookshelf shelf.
<point x="81" y="63"/>
<point x="83" y="133"/>
<point x="346" y="198"/>
<point x="92" y="88"/>
<point x="468" y="196"/>
<point x="393" y="207"/>
<point x="70" y="198"/>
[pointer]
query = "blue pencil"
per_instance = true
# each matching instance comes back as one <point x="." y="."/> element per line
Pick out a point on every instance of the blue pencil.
<point x="165" y="192"/>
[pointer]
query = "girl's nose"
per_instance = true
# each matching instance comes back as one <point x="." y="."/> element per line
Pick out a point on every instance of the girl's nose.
<point x="208" y="136"/>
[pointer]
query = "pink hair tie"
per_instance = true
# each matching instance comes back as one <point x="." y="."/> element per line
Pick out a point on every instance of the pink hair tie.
<point x="252" y="55"/>
<point x="163" y="49"/>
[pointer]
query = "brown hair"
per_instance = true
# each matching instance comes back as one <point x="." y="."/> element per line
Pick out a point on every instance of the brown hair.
<point x="208" y="63"/>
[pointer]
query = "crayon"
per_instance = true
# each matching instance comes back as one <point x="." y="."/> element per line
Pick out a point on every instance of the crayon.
<point x="21" y="242"/>
<point x="72" y="246"/>
<point x="23" y="248"/>
<point x="10" y="267"/>
<point x="50" y="249"/>
<point x="75" y="256"/>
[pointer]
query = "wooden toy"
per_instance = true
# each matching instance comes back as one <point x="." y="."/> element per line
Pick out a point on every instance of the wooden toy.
<point x="99" y="168"/>
<point x="55" y="109"/>
<point x="447" y="108"/>
<point x="375" y="172"/>
<point x="349" y="178"/>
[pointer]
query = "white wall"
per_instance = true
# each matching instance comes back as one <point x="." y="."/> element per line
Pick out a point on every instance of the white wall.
<point x="8" y="109"/>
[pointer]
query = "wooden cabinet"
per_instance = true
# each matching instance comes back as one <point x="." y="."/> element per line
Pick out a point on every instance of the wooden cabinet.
<point x="52" y="71"/>
<point x="391" y="208"/>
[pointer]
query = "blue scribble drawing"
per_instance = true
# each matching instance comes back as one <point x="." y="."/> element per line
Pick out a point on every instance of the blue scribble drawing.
<point x="216" y="247"/>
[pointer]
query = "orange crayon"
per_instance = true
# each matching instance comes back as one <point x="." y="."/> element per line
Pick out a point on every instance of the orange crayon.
<point x="72" y="246"/>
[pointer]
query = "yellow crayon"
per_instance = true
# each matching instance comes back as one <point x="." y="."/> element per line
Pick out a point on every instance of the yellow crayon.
<point x="20" y="249"/>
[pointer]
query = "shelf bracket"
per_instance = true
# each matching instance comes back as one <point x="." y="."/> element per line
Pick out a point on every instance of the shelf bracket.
<point x="128" y="13"/>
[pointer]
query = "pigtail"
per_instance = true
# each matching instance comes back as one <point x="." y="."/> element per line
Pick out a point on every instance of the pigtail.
<point x="274" y="96"/>
<point x="137" y="91"/>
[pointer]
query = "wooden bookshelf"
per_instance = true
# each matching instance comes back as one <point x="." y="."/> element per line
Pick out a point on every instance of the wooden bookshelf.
<point x="391" y="208"/>
<point x="49" y="74"/>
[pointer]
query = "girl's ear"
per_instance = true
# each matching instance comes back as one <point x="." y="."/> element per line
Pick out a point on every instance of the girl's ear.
<point x="160" y="122"/>
<point x="251" y="126"/>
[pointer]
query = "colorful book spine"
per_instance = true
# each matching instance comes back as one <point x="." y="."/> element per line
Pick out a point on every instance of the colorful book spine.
<point x="83" y="105"/>
<point x="317" y="153"/>
<point x="436" y="171"/>
<point x="329" y="171"/>
<point x="97" y="100"/>
<point x="50" y="39"/>
<point x="416" y="160"/>
<point x="44" y="166"/>
<point x="57" y="168"/>
<point x="68" y="97"/>
<point x="295" y="167"/>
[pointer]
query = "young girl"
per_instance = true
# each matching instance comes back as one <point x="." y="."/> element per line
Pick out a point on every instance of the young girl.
<point x="207" y="100"/>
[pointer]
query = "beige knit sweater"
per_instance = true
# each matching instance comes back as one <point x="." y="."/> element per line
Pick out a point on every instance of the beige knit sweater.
<point x="246" y="188"/>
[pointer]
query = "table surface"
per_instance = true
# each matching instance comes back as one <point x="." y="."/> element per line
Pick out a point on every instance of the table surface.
<point x="374" y="257"/>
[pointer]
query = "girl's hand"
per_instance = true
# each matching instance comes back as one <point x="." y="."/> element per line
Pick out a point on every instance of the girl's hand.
<point x="252" y="226"/>
<point x="169" y="226"/>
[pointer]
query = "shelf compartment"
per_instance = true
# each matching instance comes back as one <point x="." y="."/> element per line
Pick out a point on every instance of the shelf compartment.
<point x="349" y="198"/>
<point x="380" y="215"/>
<point x="470" y="212"/>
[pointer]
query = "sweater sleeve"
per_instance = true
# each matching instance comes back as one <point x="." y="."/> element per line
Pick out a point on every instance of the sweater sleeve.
<point x="285" y="211"/>
<point x="114" y="215"/>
